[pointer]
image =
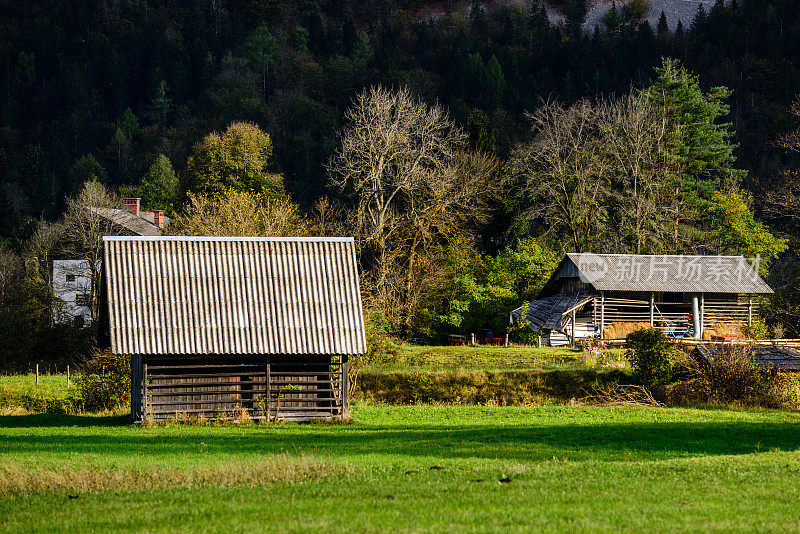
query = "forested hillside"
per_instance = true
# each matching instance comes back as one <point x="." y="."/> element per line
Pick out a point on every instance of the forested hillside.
<point x="110" y="91"/>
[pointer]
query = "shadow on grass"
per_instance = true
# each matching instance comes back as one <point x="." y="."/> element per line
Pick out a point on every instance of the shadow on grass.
<point x="60" y="420"/>
<point x="522" y="443"/>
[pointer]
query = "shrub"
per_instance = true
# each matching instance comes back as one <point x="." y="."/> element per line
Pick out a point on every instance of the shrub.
<point x="757" y="329"/>
<point x="733" y="375"/>
<point x="104" y="381"/>
<point x="786" y="389"/>
<point x="649" y="352"/>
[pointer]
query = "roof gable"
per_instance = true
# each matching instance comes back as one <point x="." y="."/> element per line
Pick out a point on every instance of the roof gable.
<point x="664" y="273"/>
<point x="142" y="223"/>
<point x="213" y="295"/>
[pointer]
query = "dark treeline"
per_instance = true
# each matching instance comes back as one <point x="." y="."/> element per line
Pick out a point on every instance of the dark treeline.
<point x="126" y="81"/>
<point x="126" y="93"/>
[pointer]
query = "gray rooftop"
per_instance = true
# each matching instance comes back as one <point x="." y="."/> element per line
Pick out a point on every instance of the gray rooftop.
<point x="141" y="224"/>
<point x="662" y="273"/>
<point x="206" y="295"/>
<point x="547" y="313"/>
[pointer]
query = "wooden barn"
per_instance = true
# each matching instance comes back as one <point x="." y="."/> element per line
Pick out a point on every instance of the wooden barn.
<point x="608" y="295"/>
<point x="234" y="327"/>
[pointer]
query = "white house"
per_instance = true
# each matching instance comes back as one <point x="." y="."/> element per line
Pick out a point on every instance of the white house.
<point x="72" y="278"/>
<point x="72" y="283"/>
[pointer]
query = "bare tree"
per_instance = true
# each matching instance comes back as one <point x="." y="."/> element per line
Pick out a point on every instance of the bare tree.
<point x="83" y="227"/>
<point x="403" y="162"/>
<point x="633" y="137"/>
<point x="564" y="171"/>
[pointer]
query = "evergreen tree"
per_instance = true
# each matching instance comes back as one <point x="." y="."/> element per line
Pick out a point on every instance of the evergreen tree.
<point x="477" y="16"/>
<point x="537" y="15"/>
<point x="161" y="105"/>
<point x="663" y="28"/>
<point x="159" y="187"/>
<point x="612" y="20"/>
<point x="575" y="18"/>
<point x="699" y="20"/>
<point x="699" y="156"/>
<point x="679" y="29"/>
<point x="129" y="124"/>
<point x="496" y="82"/>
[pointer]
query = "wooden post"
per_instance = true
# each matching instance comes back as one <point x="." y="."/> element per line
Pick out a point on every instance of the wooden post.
<point x="602" y="314"/>
<point x="702" y="314"/>
<point x="269" y="387"/>
<point x="572" y="318"/>
<point x="473" y="339"/>
<point x="144" y="388"/>
<point x="749" y="310"/>
<point x="67" y="375"/>
<point x="37" y="374"/>
<point x="345" y="389"/>
<point x="652" y="309"/>
<point x="505" y="344"/>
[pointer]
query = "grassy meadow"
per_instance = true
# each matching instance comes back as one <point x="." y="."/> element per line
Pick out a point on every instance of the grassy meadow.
<point x="421" y="358"/>
<point x="416" y="468"/>
<point x="408" y="468"/>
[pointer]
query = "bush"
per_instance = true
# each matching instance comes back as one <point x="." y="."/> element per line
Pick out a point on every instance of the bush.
<point x="104" y="381"/>
<point x="649" y="352"/>
<point x="733" y="375"/>
<point x="758" y="329"/>
<point x="786" y="389"/>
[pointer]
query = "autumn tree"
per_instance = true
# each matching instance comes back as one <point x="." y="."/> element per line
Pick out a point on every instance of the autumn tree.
<point x="239" y="213"/>
<point x="402" y="162"/>
<point x="238" y="158"/>
<point x="564" y="173"/>
<point x="633" y="136"/>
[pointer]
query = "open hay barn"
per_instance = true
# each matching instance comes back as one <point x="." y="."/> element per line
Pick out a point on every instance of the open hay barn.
<point x="609" y="295"/>
<point x="234" y="327"/>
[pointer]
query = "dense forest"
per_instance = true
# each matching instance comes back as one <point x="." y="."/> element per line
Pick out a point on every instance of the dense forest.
<point x="117" y="91"/>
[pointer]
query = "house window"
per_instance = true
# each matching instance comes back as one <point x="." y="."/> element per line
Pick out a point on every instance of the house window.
<point x="70" y="278"/>
<point x="83" y="299"/>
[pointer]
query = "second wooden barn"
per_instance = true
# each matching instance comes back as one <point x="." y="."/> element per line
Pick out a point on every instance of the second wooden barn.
<point x="234" y="327"/>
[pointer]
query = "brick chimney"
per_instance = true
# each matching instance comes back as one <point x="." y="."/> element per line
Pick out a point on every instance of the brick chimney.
<point x="158" y="218"/>
<point x="131" y="204"/>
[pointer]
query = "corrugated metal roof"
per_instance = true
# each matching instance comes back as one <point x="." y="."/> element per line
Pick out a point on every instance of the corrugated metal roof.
<point x="142" y="224"/>
<point x="765" y="356"/>
<point x="664" y="273"/>
<point x="547" y="313"/>
<point x="212" y="295"/>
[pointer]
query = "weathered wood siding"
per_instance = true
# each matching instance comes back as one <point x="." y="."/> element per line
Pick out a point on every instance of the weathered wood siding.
<point x="272" y="388"/>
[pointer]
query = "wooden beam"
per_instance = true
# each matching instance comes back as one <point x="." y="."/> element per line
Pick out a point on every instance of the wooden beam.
<point x="702" y="313"/>
<point x="749" y="310"/>
<point x="572" y="318"/>
<point x="345" y="388"/>
<point x="602" y="313"/>
<point x="652" y="309"/>
<point x="144" y="388"/>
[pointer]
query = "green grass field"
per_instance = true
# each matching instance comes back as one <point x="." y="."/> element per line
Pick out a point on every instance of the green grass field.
<point x="20" y="393"/>
<point x="426" y="468"/>
<point x="486" y="358"/>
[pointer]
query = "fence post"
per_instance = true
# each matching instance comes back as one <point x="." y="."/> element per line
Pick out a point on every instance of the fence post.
<point x="37" y="374"/>
<point x="473" y="339"/>
<point x="506" y="341"/>
<point x="68" y="375"/>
